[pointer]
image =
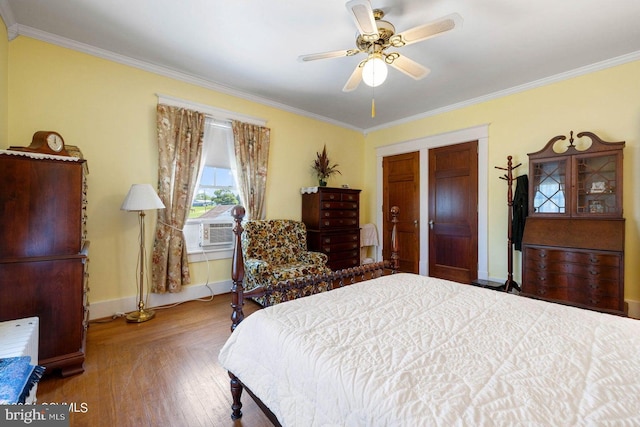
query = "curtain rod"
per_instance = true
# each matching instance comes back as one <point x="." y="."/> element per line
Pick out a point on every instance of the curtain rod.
<point x="213" y="112"/>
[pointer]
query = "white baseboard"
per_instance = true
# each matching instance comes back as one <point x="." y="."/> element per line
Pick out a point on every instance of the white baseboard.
<point x="102" y="309"/>
<point x="634" y="308"/>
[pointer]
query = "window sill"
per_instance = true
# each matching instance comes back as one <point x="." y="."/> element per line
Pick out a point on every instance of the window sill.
<point x="210" y="255"/>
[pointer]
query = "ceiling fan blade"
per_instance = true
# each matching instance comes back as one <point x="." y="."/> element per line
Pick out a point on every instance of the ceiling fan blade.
<point x="410" y="67"/>
<point x="426" y="31"/>
<point x="354" y="80"/>
<point x="328" y="55"/>
<point x="363" y="17"/>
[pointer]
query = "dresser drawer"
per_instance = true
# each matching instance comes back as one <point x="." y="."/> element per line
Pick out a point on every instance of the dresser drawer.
<point x="545" y="255"/>
<point x="560" y="293"/>
<point x="344" y="259"/>
<point x="351" y="237"/>
<point x="609" y="287"/>
<point x="338" y="214"/>
<point x="597" y="300"/>
<point x="338" y="247"/>
<point x="586" y="272"/>
<point x="340" y="196"/>
<point x="549" y="256"/>
<point x="328" y="205"/>
<point x="595" y="274"/>
<point x="338" y="222"/>
<point x="587" y="258"/>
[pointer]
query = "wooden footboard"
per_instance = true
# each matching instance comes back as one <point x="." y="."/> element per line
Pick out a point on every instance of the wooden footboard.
<point x="306" y="285"/>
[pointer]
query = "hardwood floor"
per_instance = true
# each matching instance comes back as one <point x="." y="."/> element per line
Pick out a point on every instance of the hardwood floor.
<point x="164" y="372"/>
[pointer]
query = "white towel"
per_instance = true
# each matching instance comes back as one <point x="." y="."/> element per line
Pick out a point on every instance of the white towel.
<point x="368" y="235"/>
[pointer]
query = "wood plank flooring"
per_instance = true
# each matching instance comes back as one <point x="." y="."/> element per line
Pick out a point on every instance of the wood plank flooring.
<point x="164" y="372"/>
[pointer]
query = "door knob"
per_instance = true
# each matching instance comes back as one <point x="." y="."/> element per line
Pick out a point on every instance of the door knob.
<point x="415" y="223"/>
<point x="431" y="224"/>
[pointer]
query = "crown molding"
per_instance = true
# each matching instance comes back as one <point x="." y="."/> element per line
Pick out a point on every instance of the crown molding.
<point x="17" y="29"/>
<point x="168" y="72"/>
<point x="598" y="66"/>
<point x="6" y="13"/>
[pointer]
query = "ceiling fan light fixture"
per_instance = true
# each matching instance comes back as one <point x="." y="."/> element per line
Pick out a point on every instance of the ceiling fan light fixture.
<point x="374" y="71"/>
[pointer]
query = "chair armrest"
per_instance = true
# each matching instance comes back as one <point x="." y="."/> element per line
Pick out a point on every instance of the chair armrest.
<point x="257" y="267"/>
<point x="310" y="257"/>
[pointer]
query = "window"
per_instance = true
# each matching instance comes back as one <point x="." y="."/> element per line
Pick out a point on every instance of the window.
<point x="218" y="159"/>
<point x="210" y="224"/>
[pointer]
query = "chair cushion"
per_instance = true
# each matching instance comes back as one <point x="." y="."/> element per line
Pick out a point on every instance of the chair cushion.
<point x="278" y="241"/>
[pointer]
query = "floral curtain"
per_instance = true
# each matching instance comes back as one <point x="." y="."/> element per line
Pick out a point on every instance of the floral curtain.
<point x="251" y="143"/>
<point x="180" y="136"/>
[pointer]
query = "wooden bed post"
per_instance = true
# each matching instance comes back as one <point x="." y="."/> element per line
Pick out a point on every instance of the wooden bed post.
<point x="237" y="301"/>
<point x="237" y="269"/>
<point x="395" y="258"/>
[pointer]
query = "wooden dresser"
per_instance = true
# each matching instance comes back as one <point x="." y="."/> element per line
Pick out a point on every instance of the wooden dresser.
<point x="573" y="242"/>
<point x="332" y="218"/>
<point x="44" y="253"/>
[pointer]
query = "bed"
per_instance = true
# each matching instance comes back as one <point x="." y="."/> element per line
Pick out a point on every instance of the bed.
<point x="410" y="350"/>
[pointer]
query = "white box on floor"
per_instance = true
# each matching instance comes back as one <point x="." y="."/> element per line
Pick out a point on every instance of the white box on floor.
<point x="20" y="338"/>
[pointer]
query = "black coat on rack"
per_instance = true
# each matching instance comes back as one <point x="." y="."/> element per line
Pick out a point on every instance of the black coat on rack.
<point x="520" y="210"/>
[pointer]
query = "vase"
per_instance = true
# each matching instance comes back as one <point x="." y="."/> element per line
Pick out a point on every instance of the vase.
<point x="322" y="182"/>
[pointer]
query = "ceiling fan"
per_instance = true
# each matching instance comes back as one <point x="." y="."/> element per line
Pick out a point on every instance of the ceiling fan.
<point x="375" y="37"/>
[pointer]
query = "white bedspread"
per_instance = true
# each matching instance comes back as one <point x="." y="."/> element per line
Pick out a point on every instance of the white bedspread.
<point x="418" y="351"/>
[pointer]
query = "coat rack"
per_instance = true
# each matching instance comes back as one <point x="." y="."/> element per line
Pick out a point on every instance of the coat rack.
<point x="509" y="178"/>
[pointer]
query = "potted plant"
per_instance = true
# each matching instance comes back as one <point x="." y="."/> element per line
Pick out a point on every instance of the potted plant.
<point x="323" y="167"/>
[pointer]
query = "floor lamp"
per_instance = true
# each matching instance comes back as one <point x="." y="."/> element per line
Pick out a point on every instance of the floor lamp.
<point x="141" y="197"/>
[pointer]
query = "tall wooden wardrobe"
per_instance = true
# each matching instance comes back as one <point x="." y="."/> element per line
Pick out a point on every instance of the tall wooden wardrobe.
<point x="573" y="242"/>
<point x="44" y="252"/>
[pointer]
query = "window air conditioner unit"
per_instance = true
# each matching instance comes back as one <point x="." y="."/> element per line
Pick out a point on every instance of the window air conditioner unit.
<point x="216" y="234"/>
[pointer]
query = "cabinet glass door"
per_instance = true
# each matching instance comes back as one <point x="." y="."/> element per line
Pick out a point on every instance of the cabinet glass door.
<point x="596" y="185"/>
<point x="549" y="183"/>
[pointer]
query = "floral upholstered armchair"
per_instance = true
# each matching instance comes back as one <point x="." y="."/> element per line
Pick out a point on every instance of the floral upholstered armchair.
<point x="276" y="250"/>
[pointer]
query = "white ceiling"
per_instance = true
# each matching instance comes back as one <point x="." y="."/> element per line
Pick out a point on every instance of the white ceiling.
<point x="250" y="48"/>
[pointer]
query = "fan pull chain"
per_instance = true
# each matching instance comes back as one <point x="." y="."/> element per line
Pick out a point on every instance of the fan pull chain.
<point x="373" y="102"/>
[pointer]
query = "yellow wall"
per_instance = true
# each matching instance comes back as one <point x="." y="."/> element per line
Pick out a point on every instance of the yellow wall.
<point x="4" y="82"/>
<point x="108" y="110"/>
<point x="604" y="102"/>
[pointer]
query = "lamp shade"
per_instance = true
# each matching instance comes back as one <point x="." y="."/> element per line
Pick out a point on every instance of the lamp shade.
<point x="374" y="72"/>
<point x="141" y="197"/>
